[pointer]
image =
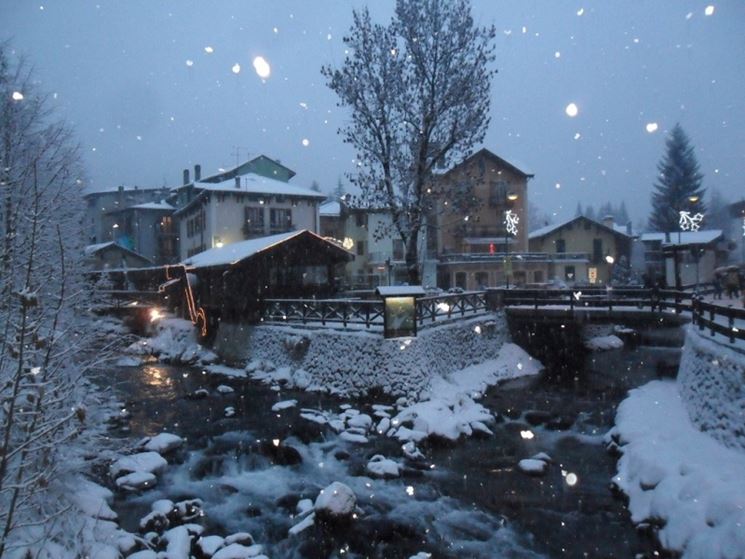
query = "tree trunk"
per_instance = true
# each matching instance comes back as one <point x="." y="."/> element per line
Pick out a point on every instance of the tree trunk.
<point x="412" y="257"/>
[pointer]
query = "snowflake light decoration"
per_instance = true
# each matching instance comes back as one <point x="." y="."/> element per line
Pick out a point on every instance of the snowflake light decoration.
<point x="690" y="222"/>
<point x="511" y="219"/>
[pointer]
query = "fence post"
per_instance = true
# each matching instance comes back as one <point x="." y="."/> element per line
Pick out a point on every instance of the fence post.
<point x="344" y="311"/>
<point x="367" y="316"/>
<point x="731" y="323"/>
<point x="711" y="320"/>
<point x="677" y="302"/>
<point x="323" y="313"/>
<point x="304" y="312"/>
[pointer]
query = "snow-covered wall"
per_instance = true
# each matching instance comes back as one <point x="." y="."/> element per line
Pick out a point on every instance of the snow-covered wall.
<point x="711" y="380"/>
<point x="354" y="361"/>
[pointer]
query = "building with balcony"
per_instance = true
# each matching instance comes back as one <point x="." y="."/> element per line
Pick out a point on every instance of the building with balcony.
<point x="243" y="207"/>
<point x="469" y="230"/>
<point x="581" y="250"/>
<point x="148" y="230"/>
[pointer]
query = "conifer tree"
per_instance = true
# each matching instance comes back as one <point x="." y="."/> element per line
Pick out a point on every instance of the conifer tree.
<point x="678" y="187"/>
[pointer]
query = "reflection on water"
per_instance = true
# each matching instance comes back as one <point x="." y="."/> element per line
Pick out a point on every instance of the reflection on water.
<point x="470" y="499"/>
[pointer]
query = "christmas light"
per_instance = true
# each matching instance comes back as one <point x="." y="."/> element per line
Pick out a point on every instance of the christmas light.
<point x="511" y="219"/>
<point x="690" y="222"/>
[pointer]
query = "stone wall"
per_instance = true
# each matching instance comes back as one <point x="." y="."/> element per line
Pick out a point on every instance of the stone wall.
<point x="711" y="380"/>
<point x="354" y="361"/>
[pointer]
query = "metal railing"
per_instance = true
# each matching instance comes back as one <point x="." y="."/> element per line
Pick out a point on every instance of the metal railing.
<point x="431" y="309"/>
<point x="345" y="311"/>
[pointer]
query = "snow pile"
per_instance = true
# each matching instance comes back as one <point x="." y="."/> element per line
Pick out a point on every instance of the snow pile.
<point x="711" y="380"/>
<point x="175" y="341"/>
<point x="351" y="362"/>
<point x="138" y="470"/>
<point x="604" y="343"/>
<point x="162" y="443"/>
<point x="679" y="480"/>
<point x="448" y="412"/>
<point x="380" y="466"/>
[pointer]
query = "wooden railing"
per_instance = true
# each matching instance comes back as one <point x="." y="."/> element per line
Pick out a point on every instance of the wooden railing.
<point x="439" y="307"/>
<point x="727" y="321"/>
<point x="345" y="311"/>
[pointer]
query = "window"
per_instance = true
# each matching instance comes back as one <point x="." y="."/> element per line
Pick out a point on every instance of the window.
<point x="561" y="245"/>
<point x="569" y="273"/>
<point x="280" y="220"/>
<point x="538" y="276"/>
<point x="254" y="221"/>
<point x="497" y="193"/>
<point x="482" y="279"/>
<point x="398" y="249"/>
<point x="460" y="279"/>
<point x="597" y="251"/>
<point x="360" y="248"/>
<point x="360" y="219"/>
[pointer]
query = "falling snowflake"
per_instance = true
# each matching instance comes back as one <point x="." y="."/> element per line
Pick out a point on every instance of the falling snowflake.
<point x="17" y="96"/>
<point x="709" y="10"/>
<point x="511" y="220"/>
<point x="209" y="50"/>
<point x="262" y="67"/>
<point x="690" y="222"/>
<point x="236" y="68"/>
<point x="306" y="142"/>
<point x="651" y="127"/>
<point x="190" y="63"/>
<point x="571" y="110"/>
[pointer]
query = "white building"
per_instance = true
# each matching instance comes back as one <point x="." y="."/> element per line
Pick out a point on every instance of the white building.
<point x="698" y="254"/>
<point x="243" y="207"/>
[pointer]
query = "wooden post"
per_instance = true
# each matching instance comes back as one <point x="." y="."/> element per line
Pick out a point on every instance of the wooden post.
<point x="344" y="311"/>
<point x="731" y="322"/>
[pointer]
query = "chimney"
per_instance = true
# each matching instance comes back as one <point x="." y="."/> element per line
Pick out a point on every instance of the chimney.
<point x="237" y="182"/>
<point x="186" y="176"/>
<point x="197" y="173"/>
<point x="608" y="221"/>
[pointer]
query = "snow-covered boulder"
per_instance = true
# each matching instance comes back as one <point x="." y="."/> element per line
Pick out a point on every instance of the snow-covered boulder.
<point x="238" y="551"/>
<point x="136" y="481"/>
<point x="225" y="389"/>
<point x="285" y="404"/>
<point x="209" y="545"/>
<point x="380" y="466"/>
<point x="162" y="443"/>
<point x="532" y="467"/>
<point x="335" y="502"/>
<point x="150" y="462"/>
<point x="604" y="343"/>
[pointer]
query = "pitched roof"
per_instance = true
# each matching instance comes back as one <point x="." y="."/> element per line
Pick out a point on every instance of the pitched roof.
<point x="236" y="252"/>
<point x="257" y="184"/>
<point x="330" y="209"/>
<point x="244" y="168"/>
<point x="162" y="205"/>
<point x="543" y="231"/>
<point x="90" y="250"/>
<point x="513" y="166"/>
<point x="702" y="237"/>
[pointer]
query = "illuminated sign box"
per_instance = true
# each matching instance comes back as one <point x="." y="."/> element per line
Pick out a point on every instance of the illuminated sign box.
<point x="400" y="309"/>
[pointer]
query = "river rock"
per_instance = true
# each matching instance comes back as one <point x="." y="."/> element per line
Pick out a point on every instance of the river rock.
<point x="162" y="443"/>
<point x="532" y="467"/>
<point x="280" y="454"/>
<point x="149" y="462"/>
<point x="210" y="544"/>
<point x="225" y="389"/>
<point x="335" y="503"/>
<point x="537" y="417"/>
<point x="380" y="466"/>
<point x="559" y="423"/>
<point x="136" y="481"/>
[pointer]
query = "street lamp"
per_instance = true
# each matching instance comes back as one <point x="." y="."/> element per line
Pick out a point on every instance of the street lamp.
<point x="510" y="228"/>
<point x="610" y="260"/>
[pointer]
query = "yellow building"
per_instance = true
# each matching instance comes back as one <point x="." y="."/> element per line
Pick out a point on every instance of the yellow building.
<point x="582" y="250"/>
<point x="470" y="236"/>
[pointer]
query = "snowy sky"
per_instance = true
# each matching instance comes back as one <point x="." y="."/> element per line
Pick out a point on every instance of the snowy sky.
<point x="148" y="100"/>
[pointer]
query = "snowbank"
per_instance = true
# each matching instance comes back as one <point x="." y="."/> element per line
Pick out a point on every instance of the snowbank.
<point x="711" y="379"/>
<point x="351" y="362"/>
<point x="175" y="341"/>
<point x="677" y="478"/>
<point x="604" y="343"/>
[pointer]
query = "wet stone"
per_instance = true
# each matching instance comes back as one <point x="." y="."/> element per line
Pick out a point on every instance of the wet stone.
<point x="537" y="417"/>
<point x="281" y="454"/>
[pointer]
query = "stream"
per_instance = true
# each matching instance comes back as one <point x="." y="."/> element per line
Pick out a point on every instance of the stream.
<point x="466" y="500"/>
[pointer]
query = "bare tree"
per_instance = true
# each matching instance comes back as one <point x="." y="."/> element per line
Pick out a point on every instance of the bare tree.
<point x="418" y="89"/>
<point x="40" y="176"/>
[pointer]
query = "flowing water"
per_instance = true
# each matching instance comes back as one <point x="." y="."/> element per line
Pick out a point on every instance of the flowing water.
<point x="467" y="500"/>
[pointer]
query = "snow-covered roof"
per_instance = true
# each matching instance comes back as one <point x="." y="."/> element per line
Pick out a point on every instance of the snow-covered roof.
<point x="543" y="231"/>
<point x="256" y="184"/>
<point x="400" y="290"/>
<point x="235" y="252"/>
<point x="162" y="205"/>
<point x="93" y="249"/>
<point x="330" y="209"/>
<point x="702" y="237"/>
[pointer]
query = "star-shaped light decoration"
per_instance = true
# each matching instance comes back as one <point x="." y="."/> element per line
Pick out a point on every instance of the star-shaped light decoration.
<point x="690" y="222"/>
<point x="511" y="219"/>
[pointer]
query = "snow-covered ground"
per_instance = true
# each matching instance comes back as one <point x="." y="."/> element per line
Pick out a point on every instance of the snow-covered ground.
<point x="175" y="341"/>
<point x="679" y="480"/>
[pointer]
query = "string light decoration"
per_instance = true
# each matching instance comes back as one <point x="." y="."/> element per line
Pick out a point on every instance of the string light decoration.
<point x="196" y="314"/>
<point x="690" y="222"/>
<point x="511" y="220"/>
